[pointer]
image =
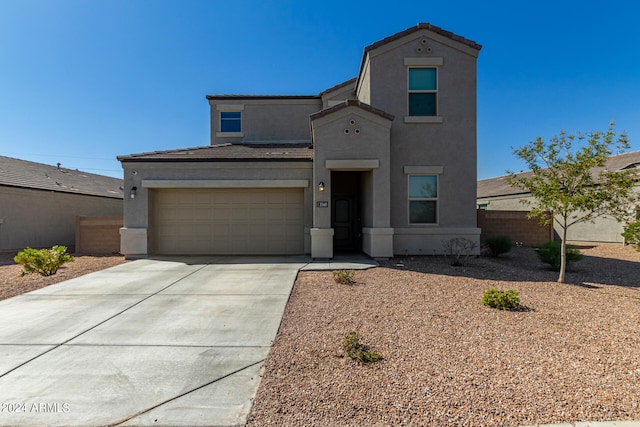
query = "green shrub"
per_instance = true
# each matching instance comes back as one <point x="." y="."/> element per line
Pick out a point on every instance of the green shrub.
<point x="45" y="262"/>
<point x="357" y="351"/>
<point x="631" y="234"/>
<point x="499" y="245"/>
<point x="345" y="277"/>
<point x="502" y="300"/>
<point x="550" y="254"/>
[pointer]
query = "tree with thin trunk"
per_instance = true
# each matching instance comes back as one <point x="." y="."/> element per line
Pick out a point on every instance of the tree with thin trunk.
<point x="569" y="179"/>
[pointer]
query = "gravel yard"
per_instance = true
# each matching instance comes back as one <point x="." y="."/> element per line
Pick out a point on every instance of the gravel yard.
<point x="572" y="354"/>
<point x="12" y="284"/>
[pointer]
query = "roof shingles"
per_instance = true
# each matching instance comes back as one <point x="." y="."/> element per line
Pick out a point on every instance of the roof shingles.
<point x="25" y="174"/>
<point x="287" y="151"/>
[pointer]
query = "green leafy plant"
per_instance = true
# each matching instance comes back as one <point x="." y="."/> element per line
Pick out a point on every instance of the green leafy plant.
<point x="569" y="177"/>
<point x="499" y="245"/>
<point x="502" y="300"/>
<point x="551" y="253"/>
<point x="345" y="277"/>
<point x="358" y="352"/>
<point x="631" y="234"/>
<point x="45" y="262"/>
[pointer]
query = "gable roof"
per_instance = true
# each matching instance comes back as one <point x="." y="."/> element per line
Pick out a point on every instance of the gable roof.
<point x="350" y="82"/>
<point x="411" y="30"/>
<point x="495" y="187"/>
<point x="351" y="103"/>
<point x="246" y="151"/>
<point x="423" y="26"/>
<point x="25" y="174"/>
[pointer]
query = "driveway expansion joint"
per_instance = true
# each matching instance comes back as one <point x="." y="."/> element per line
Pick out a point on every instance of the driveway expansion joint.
<point x="144" y="411"/>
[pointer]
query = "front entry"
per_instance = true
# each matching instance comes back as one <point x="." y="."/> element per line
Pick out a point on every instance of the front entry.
<point x="345" y="212"/>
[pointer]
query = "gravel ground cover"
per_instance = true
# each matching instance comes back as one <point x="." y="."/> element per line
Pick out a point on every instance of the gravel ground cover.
<point x="572" y="353"/>
<point x="12" y="283"/>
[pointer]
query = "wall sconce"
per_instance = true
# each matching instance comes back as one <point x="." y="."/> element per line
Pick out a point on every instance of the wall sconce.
<point x="321" y="186"/>
<point x="134" y="190"/>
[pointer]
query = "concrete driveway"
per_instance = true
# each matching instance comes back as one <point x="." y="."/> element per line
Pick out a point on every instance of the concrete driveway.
<point x="178" y="341"/>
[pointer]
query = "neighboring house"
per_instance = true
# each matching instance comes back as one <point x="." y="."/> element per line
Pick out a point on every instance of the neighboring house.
<point x="384" y="163"/>
<point x="39" y="203"/>
<point x="497" y="194"/>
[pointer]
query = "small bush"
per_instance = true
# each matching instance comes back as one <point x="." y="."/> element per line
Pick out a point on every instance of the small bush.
<point x="550" y="254"/>
<point x="631" y="234"/>
<point x="499" y="245"/>
<point x="457" y="248"/>
<point x="502" y="300"/>
<point x="345" y="277"/>
<point x="45" y="262"/>
<point x="357" y="351"/>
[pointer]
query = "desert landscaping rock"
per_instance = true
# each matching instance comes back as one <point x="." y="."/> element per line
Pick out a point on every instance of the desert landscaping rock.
<point x="571" y="354"/>
<point x="12" y="283"/>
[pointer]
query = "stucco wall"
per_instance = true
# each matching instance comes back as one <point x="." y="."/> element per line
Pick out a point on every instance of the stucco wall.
<point x="39" y="219"/>
<point x="267" y="119"/>
<point x="446" y="142"/>
<point x="450" y="144"/>
<point x="368" y="139"/>
<point x="137" y="212"/>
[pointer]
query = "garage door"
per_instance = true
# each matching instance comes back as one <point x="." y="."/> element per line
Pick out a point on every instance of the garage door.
<point x="228" y="221"/>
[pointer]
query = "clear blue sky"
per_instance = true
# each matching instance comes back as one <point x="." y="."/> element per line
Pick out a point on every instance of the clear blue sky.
<point x="84" y="81"/>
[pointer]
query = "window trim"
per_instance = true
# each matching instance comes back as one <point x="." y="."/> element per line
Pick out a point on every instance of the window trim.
<point x="420" y="91"/>
<point x="230" y="108"/>
<point x="424" y="62"/>
<point x="239" y="119"/>
<point x="422" y="199"/>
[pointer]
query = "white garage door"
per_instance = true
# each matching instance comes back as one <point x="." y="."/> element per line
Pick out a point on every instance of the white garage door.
<point x="228" y="221"/>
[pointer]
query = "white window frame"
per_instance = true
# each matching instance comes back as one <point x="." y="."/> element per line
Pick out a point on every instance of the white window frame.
<point x="423" y="199"/>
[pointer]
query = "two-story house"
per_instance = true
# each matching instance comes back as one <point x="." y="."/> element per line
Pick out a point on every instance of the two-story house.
<point x="384" y="163"/>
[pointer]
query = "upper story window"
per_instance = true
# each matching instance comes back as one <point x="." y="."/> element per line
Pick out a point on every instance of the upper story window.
<point x="230" y="121"/>
<point x="423" y="199"/>
<point x="423" y="91"/>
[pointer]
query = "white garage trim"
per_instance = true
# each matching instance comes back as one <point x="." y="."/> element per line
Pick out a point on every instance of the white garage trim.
<point x="225" y="183"/>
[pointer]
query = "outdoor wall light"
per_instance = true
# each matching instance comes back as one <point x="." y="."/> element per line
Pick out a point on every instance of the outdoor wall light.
<point x="134" y="190"/>
<point x="321" y="186"/>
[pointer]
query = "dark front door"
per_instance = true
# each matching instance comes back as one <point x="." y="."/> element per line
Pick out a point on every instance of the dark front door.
<point x="344" y="220"/>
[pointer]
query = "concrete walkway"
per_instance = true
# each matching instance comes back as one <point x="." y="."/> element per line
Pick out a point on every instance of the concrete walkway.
<point x="174" y="341"/>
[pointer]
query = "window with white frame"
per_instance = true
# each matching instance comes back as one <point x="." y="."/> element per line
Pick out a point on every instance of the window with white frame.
<point x="423" y="91"/>
<point x="423" y="199"/>
<point x="230" y="121"/>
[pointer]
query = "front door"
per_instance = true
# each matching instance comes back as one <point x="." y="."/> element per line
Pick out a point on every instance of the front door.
<point x="344" y="220"/>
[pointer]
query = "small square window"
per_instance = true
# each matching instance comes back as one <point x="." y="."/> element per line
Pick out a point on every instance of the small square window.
<point x="423" y="199"/>
<point x="423" y="91"/>
<point x="230" y="121"/>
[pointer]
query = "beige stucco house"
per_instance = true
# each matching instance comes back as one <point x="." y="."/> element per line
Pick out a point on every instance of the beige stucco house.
<point x="39" y="203"/>
<point x="384" y="163"/>
<point x="497" y="194"/>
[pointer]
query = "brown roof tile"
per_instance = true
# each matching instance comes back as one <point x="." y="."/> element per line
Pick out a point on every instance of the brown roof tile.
<point x="351" y="103"/>
<point x="267" y="151"/>
<point x="339" y="86"/>
<point x="25" y="174"/>
<point x="423" y="26"/>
